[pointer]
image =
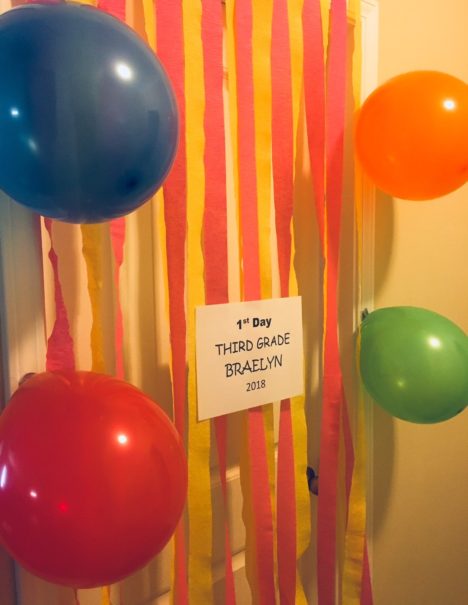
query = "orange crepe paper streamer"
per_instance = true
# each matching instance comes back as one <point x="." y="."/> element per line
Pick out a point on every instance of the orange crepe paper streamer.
<point x="171" y="53"/>
<point x="293" y="500"/>
<point x="246" y="149"/>
<point x="333" y="396"/>
<point x="245" y="477"/>
<point x="115" y="8"/>
<point x="170" y="48"/>
<point x="283" y="158"/>
<point x="298" y="418"/>
<point x="254" y="467"/>
<point x="315" y="104"/>
<point x="262" y="15"/>
<point x="157" y="207"/>
<point x="327" y="109"/>
<point x="59" y="355"/>
<point x="296" y="41"/>
<point x="231" y="61"/>
<point x="199" y="438"/>
<point x="221" y="425"/>
<point x="117" y="232"/>
<point x="356" y="582"/>
<point x="215" y="223"/>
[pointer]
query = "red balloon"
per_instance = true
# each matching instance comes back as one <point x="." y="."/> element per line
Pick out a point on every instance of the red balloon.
<point x="93" y="478"/>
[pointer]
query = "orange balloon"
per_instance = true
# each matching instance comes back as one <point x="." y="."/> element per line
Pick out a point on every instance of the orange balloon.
<point x="412" y="135"/>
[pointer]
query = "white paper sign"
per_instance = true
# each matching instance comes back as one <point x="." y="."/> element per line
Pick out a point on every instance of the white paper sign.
<point x="248" y="354"/>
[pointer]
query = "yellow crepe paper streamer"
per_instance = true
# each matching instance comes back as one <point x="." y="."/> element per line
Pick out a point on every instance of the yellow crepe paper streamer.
<point x="248" y="516"/>
<point x="157" y="202"/>
<point x="149" y="15"/>
<point x="298" y="419"/>
<point x="262" y="17"/>
<point x="106" y="595"/>
<point x="93" y="237"/>
<point x="199" y="492"/>
<point x="262" y="13"/>
<point x="92" y="241"/>
<point x="356" y="525"/>
<point x="159" y="225"/>
<point x="247" y="513"/>
<point x="299" y="428"/>
<point x="325" y="9"/>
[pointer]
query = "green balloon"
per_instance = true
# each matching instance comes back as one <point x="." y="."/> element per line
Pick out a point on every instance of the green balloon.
<point x="414" y="363"/>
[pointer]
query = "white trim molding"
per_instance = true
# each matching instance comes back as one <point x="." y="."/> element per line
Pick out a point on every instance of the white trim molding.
<point x="22" y="296"/>
<point x="370" y="54"/>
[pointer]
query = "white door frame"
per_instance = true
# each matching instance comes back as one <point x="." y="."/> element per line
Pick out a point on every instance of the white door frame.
<point x="22" y="338"/>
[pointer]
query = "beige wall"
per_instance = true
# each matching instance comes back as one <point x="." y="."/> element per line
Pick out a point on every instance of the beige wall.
<point x="420" y="512"/>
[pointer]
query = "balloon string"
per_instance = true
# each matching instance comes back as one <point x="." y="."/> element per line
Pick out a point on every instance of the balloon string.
<point x="75" y="594"/>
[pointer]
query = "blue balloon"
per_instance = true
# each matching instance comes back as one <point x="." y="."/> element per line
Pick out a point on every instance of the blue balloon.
<point x="88" y="118"/>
